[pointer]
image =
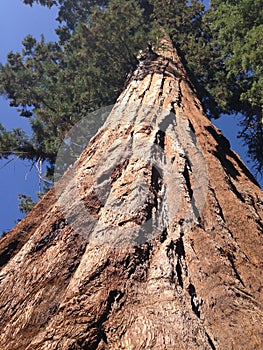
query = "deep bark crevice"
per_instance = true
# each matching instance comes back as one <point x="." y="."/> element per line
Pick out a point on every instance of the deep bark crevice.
<point x="96" y="274"/>
<point x="49" y="239"/>
<point x="136" y="263"/>
<point x="231" y="259"/>
<point x="218" y="206"/>
<point x="117" y="172"/>
<point x="163" y="235"/>
<point x="180" y="267"/>
<point x="163" y="80"/>
<point x="187" y="178"/>
<point x="192" y="129"/>
<point x="160" y="138"/>
<point x="176" y="256"/>
<point x="196" y="302"/>
<point x="6" y="254"/>
<point x="114" y="296"/>
<point x="170" y="252"/>
<point x="178" y="101"/>
<point x="235" y="191"/>
<point x="211" y="343"/>
<point x="260" y="225"/>
<point x="156" y="186"/>
<point x="179" y="274"/>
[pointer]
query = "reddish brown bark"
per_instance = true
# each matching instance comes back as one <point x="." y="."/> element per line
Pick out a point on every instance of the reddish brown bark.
<point x="153" y="240"/>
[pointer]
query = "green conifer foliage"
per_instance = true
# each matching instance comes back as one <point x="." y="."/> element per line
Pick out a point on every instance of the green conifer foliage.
<point x="237" y="27"/>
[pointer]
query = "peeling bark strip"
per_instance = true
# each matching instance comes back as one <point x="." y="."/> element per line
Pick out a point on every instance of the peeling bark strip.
<point x="152" y="240"/>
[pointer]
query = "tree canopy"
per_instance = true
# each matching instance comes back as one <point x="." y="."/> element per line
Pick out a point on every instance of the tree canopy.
<point x="237" y="29"/>
<point x="55" y="84"/>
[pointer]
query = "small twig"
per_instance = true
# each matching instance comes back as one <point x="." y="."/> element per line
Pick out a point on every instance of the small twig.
<point x="9" y="161"/>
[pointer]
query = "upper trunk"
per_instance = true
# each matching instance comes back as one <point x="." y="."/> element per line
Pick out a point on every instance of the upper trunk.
<point x="151" y="241"/>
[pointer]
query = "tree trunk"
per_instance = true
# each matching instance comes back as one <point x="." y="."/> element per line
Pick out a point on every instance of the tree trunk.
<point x="152" y="240"/>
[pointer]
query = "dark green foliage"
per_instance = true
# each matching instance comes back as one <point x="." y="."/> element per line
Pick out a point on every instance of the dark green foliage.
<point x="15" y="142"/>
<point x="26" y="203"/>
<point x="72" y="11"/>
<point x="237" y="27"/>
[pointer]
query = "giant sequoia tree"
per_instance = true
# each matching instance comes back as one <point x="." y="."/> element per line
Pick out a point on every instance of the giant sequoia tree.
<point x="57" y="84"/>
<point x="152" y="239"/>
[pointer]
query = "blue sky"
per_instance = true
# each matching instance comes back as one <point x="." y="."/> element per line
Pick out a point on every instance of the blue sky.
<point x="16" y="21"/>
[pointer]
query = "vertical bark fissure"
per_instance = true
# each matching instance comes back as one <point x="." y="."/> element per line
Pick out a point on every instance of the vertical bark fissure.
<point x="156" y="187"/>
<point x="220" y="215"/>
<point x="171" y="257"/>
<point x="231" y="259"/>
<point x="143" y="93"/>
<point x="178" y="101"/>
<point x="161" y="92"/>
<point x="196" y="302"/>
<point x="114" y="297"/>
<point x="175" y="252"/>
<point x="211" y="343"/>
<point x="217" y="206"/>
<point x="235" y="190"/>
